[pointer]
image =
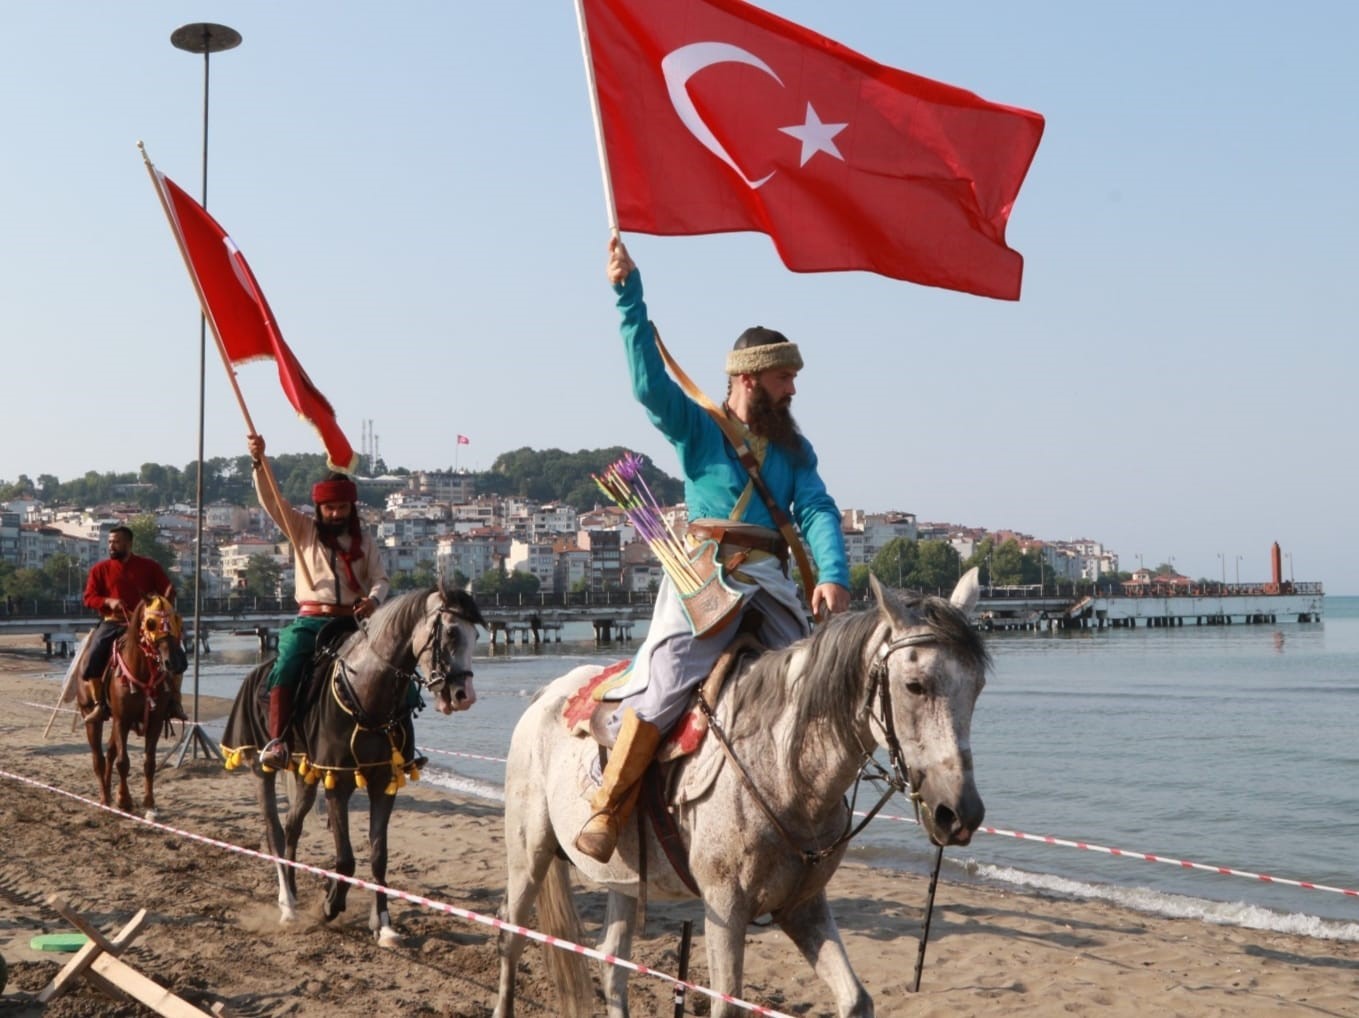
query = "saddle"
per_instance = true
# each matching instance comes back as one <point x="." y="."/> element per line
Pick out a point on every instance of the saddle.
<point x="585" y="715"/>
<point x="311" y="686"/>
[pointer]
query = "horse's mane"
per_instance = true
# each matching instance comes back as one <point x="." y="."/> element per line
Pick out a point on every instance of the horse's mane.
<point x="130" y="643"/>
<point x="398" y="616"/>
<point x="830" y="684"/>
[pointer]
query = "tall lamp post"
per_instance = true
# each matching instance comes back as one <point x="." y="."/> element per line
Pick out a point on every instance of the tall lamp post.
<point x="206" y="38"/>
<point x="1238" y="569"/>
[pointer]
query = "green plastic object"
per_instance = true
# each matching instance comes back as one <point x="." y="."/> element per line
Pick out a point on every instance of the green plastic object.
<point x="59" y="941"/>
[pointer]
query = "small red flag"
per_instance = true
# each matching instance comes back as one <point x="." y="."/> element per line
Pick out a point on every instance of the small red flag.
<point x="241" y="318"/>
<point x="464" y="440"/>
<point x="718" y="116"/>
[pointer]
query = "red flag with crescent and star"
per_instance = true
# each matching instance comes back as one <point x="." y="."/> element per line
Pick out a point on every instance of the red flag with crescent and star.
<point x="718" y="116"/>
<point x="241" y="318"/>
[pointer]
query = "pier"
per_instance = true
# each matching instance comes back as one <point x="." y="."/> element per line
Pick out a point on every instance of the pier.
<point x="1153" y="606"/>
<point x="1033" y="607"/>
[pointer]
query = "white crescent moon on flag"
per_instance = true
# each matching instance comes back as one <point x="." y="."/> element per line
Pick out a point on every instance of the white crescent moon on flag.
<point x="682" y="64"/>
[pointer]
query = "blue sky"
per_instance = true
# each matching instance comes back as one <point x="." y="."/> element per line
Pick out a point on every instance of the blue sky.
<point x="417" y="189"/>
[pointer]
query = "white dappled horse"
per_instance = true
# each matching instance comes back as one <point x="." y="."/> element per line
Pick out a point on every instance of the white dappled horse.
<point x="765" y="824"/>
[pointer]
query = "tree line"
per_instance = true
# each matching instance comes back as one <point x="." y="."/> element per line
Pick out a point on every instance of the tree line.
<point x="548" y="475"/>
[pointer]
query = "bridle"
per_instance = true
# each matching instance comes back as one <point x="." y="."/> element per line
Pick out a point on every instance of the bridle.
<point x="899" y="780"/>
<point x="442" y="671"/>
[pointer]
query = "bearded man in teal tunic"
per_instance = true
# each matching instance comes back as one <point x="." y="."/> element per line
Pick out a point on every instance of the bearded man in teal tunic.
<point x="723" y="505"/>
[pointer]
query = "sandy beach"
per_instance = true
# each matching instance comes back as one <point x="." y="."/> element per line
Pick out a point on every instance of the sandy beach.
<point x="212" y="935"/>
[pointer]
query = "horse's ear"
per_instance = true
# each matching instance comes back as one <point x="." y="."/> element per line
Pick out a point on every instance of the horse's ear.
<point x="467" y="608"/>
<point x="879" y="594"/>
<point x="966" y="593"/>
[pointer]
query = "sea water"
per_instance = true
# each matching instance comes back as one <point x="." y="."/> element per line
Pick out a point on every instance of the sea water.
<point x="1227" y="746"/>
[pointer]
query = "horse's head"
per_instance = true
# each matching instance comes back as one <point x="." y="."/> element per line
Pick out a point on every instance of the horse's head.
<point x="929" y="666"/>
<point x="159" y="629"/>
<point x="447" y="659"/>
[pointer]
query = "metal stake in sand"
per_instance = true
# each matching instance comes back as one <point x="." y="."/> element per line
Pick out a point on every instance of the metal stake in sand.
<point x="686" y="938"/>
<point x="929" y="912"/>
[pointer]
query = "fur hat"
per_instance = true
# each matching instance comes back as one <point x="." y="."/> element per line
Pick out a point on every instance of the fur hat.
<point x="759" y="349"/>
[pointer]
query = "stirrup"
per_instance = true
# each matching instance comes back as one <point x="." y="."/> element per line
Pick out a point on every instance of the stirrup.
<point x="96" y="713"/>
<point x="275" y="755"/>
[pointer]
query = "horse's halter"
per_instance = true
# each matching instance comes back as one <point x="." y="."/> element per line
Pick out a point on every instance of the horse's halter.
<point x="157" y="625"/>
<point x="444" y="668"/>
<point x="154" y="620"/>
<point x="900" y="779"/>
<point x="442" y="671"/>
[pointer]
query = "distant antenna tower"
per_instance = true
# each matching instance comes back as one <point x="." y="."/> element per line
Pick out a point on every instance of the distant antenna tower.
<point x="366" y="445"/>
<point x="377" y="456"/>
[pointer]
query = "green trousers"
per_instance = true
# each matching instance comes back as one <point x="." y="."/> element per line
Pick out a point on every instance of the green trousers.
<point x="296" y="644"/>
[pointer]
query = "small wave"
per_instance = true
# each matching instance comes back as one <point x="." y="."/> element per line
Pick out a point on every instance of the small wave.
<point x="1176" y="906"/>
<point x="462" y="784"/>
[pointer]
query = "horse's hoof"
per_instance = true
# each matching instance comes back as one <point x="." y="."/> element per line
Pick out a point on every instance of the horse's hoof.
<point x="151" y="814"/>
<point x="388" y="937"/>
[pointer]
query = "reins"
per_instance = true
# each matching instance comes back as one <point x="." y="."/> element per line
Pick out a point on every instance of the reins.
<point x="342" y="686"/>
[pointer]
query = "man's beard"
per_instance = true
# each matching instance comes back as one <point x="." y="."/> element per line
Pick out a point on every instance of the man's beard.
<point x="333" y="529"/>
<point x="118" y="555"/>
<point x="773" y="421"/>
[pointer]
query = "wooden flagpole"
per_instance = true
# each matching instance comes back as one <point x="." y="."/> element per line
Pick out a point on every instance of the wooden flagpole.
<point x="266" y="470"/>
<point x="609" y="206"/>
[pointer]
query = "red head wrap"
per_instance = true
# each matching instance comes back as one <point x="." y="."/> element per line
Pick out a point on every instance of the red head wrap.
<point x="343" y="490"/>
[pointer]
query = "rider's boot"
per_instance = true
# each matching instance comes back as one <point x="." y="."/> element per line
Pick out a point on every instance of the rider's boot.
<point x="176" y="680"/>
<point x="613" y="802"/>
<point x="414" y="758"/>
<point x="275" y="754"/>
<point x="97" y="708"/>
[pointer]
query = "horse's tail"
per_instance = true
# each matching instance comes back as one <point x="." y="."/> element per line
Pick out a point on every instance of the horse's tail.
<point x="566" y="969"/>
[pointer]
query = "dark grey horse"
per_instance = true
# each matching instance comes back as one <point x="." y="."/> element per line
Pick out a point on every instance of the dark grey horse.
<point x="348" y="730"/>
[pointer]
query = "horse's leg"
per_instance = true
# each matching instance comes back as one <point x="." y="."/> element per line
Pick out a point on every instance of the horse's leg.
<point x="724" y="930"/>
<point x="149" y="770"/>
<point x="380" y="806"/>
<point x="94" y="733"/>
<point x="118" y="752"/>
<point x="532" y="867"/>
<point x="620" y="921"/>
<point x="337" y="803"/>
<point x="810" y="926"/>
<point x="301" y="797"/>
<point x="273" y="837"/>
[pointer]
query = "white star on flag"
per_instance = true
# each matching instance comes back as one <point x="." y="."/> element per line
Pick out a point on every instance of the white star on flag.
<point x="815" y="136"/>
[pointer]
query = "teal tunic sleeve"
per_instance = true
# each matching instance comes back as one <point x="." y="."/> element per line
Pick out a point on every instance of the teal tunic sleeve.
<point x="713" y="475"/>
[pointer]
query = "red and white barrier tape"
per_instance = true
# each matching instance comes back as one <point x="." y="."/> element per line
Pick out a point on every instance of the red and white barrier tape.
<point x="416" y="899"/>
<point x="1045" y="839"/>
<point x="1048" y="839"/>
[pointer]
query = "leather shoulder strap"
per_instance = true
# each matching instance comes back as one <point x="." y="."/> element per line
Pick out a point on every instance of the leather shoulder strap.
<point x="748" y="460"/>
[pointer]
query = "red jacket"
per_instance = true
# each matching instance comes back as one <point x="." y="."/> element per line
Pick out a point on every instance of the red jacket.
<point x="129" y="581"/>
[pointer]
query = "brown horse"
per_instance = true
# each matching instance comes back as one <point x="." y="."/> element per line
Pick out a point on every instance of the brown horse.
<point x="138" y="680"/>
